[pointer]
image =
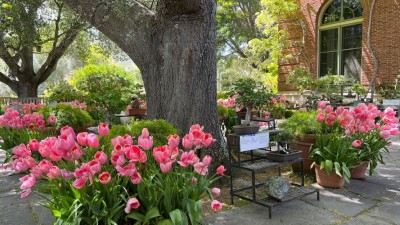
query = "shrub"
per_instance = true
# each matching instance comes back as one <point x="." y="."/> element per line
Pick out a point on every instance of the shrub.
<point x="159" y="128"/>
<point x="300" y="124"/>
<point x="62" y="92"/>
<point x="104" y="86"/>
<point x="67" y="115"/>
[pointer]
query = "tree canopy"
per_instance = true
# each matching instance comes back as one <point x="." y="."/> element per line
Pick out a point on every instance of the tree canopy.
<point x="32" y="27"/>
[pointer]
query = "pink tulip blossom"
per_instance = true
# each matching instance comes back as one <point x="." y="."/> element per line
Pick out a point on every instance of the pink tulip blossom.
<point x="173" y="140"/>
<point x="216" y="191"/>
<point x="200" y="168"/>
<point x="27" y="181"/>
<point x="127" y="170"/>
<point x="133" y="203"/>
<point x="216" y="205"/>
<point x="135" y="154"/>
<point x="101" y="157"/>
<point x="145" y="142"/>
<point x="82" y="138"/>
<point x="207" y="140"/>
<point x="21" y="151"/>
<point x="194" y="180"/>
<point x="51" y="119"/>
<point x="188" y="141"/>
<point x="54" y="172"/>
<point x="103" y="129"/>
<point x="220" y="170"/>
<point x="92" y="140"/>
<point x="105" y="177"/>
<point x="79" y="183"/>
<point x="166" y="167"/>
<point x="188" y="158"/>
<point x="356" y="143"/>
<point x="33" y="145"/>
<point x="136" y="178"/>
<point x="207" y="160"/>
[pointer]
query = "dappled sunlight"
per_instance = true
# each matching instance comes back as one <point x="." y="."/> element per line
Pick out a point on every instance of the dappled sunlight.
<point x="342" y="198"/>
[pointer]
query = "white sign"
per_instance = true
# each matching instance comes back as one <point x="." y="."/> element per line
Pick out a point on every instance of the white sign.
<point x="254" y="141"/>
<point x="391" y="102"/>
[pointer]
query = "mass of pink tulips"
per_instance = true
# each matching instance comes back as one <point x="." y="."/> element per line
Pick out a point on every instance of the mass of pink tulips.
<point x="136" y="177"/>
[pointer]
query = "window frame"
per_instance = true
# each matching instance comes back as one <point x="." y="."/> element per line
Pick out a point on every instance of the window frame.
<point x="335" y="25"/>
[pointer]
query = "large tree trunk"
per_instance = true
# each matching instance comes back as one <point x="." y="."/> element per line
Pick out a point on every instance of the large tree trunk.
<point x="175" y="49"/>
<point x="27" y="90"/>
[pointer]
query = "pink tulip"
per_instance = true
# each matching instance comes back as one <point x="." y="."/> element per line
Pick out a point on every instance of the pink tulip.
<point x="45" y="165"/>
<point x="66" y="174"/>
<point x="127" y="170"/>
<point x="52" y="119"/>
<point x="136" y="178"/>
<point x="188" y="158"/>
<point x="196" y="127"/>
<point x="194" y="180"/>
<point x="216" y="205"/>
<point x="207" y="160"/>
<point x="27" y="181"/>
<point x="133" y="203"/>
<point x="79" y="183"/>
<point x="76" y="152"/>
<point x="328" y="109"/>
<point x="197" y="137"/>
<point x="216" y="191"/>
<point x="33" y="145"/>
<point x="65" y="141"/>
<point x="69" y="130"/>
<point x="105" y="177"/>
<point x="173" y="140"/>
<point x="135" y="154"/>
<point x="92" y="140"/>
<point x="385" y="134"/>
<point x="188" y="141"/>
<point x="207" y="140"/>
<point x="21" y="151"/>
<point x="356" y="143"/>
<point x="320" y="117"/>
<point x="200" y="168"/>
<point x="220" y="170"/>
<point x="118" y="160"/>
<point x="94" y="167"/>
<point x="82" y="138"/>
<point x="103" y="129"/>
<point x="145" y="142"/>
<point x="321" y="104"/>
<point x="26" y="193"/>
<point x="166" y="167"/>
<point x="145" y="133"/>
<point x="54" y="172"/>
<point x="101" y="157"/>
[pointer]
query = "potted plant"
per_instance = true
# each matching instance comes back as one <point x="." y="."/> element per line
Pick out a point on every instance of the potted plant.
<point x="366" y="128"/>
<point x="136" y="107"/>
<point x="301" y="127"/>
<point x="249" y="94"/>
<point x="333" y="156"/>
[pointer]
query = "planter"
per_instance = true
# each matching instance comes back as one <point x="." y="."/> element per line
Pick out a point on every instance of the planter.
<point x="278" y="156"/>
<point x="133" y="112"/>
<point x="304" y="146"/>
<point x="359" y="171"/>
<point x="330" y="181"/>
<point x="242" y="130"/>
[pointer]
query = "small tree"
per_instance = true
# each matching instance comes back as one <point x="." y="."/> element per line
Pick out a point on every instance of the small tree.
<point x="250" y="93"/>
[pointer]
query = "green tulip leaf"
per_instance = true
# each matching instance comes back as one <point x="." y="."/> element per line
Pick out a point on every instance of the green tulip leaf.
<point x="338" y="169"/>
<point x="328" y="166"/>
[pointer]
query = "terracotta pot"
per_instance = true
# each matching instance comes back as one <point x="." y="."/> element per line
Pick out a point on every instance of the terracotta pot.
<point x="131" y="112"/>
<point x="242" y="130"/>
<point x="359" y="171"/>
<point x="330" y="181"/>
<point x="304" y="146"/>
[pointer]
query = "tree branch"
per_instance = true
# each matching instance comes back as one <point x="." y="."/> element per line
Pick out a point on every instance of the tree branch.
<point x="8" y="59"/>
<point x="56" y="53"/>
<point x="6" y="80"/>
<point x="133" y="18"/>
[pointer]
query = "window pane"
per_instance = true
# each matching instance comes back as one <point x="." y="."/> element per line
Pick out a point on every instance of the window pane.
<point x="351" y="64"/>
<point x="352" y="36"/>
<point x="329" y="40"/>
<point x="328" y="63"/>
<point x="352" y="9"/>
<point x="332" y="13"/>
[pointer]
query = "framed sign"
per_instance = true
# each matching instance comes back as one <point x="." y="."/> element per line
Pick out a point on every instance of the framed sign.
<point x="254" y="141"/>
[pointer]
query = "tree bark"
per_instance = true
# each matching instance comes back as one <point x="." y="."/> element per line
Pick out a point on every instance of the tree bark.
<point x="175" y="50"/>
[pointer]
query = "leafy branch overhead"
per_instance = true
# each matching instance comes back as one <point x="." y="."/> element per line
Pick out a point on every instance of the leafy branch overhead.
<point x="34" y="27"/>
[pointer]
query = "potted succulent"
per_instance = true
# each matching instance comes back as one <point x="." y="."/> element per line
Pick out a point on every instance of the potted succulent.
<point x="249" y="93"/>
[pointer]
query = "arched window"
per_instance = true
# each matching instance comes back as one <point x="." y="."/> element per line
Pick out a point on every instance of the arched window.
<point x="340" y="39"/>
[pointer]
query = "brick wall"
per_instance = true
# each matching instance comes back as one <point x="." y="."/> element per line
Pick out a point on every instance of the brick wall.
<point x="385" y="40"/>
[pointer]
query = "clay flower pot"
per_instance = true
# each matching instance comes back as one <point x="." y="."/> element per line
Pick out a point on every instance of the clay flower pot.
<point x="330" y="181"/>
<point x="359" y="171"/>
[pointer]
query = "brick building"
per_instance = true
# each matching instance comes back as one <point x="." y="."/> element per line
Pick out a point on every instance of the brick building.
<point x="332" y="36"/>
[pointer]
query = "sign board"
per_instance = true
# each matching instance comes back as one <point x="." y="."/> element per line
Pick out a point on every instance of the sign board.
<point x="254" y="141"/>
<point x="391" y="102"/>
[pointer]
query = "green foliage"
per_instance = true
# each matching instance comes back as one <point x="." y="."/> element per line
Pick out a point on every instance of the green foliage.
<point x="62" y="92"/>
<point x="267" y="51"/>
<point x="359" y="90"/>
<point x="67" y="115"/>
<point x="160" y="130"/>
<point x="301" y="78"/>
<point x="334" y="153"/>
<point x="301" y="123"/>
<point x="222" y="111"/>
<point x="104" y="86"/>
